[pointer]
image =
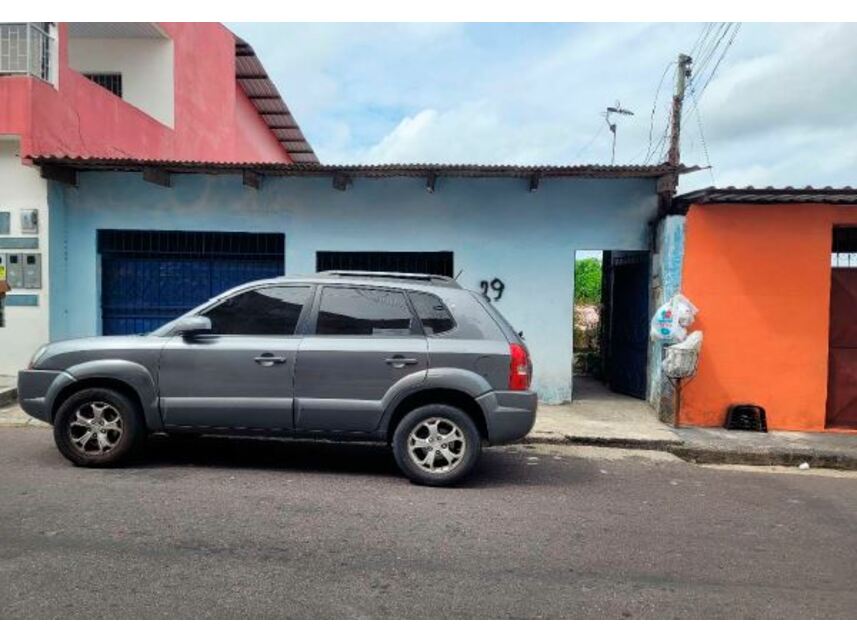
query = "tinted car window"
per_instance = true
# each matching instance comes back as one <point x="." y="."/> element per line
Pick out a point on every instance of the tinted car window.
<point x="363" y="311"/>
<point x="265" y="311"/>
<point x="432" y="313"/>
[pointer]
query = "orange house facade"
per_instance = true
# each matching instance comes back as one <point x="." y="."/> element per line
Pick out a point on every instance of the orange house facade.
<point x="774" y="275"/>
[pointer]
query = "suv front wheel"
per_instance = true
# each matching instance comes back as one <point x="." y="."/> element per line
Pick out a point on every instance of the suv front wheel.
<point x="98" y="427"/>
<point x="436" y="445"/>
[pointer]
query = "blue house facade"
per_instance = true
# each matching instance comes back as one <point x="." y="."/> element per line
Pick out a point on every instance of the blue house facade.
<point x="132" y="245"/>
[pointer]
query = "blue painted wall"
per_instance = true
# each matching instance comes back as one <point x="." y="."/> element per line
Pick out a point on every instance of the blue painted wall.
<point x="495" y="227"/>
<point x="666" y="277"/>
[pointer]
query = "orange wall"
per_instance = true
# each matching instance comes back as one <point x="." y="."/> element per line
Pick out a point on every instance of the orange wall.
<point x="760" y="275"/>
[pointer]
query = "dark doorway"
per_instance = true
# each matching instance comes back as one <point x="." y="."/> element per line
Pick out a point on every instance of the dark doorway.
<point x="151" y="277"/>
<point x="430" y="263"/>
<point x="625" y="323"/>
<point x="842" y="355"/>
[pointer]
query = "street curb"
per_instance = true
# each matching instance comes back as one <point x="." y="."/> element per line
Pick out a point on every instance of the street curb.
<point x="594" y="441"/>
<point x="816" y="460"/>
<point x="698" y="455"/>
<point x="8" y="396"/>
<point x="622" y="443"/>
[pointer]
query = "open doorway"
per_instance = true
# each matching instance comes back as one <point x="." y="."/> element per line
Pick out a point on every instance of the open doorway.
<point x="611" y="320"/>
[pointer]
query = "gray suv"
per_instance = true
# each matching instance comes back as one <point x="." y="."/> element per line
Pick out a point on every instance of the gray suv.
<point x="414" y="361"/>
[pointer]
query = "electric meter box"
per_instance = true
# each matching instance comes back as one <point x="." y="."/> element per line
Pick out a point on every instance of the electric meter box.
<point x="32" y="270"/>
<point x="30" y="221"/>
<point x="15" y="270"/>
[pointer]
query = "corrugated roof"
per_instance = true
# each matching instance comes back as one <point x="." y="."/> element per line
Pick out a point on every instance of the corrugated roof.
<point x="254" y="81"/>
<point x="768" y="195"/>
<point x="367" y="171"/>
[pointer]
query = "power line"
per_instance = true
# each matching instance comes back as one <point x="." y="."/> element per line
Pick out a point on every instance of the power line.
<point x="703" y="59"/>
<point x="660" y="147"/>
<point x="702" y="135"/>
<point x="722" y="56"/>
<point x="736" y="27"/>
<point x="655" y="107"/>
<point x="591" y="141"/>
<point x="704" y="51"/>
<point x="653" y="152"/>
<point x="703" y="33"/>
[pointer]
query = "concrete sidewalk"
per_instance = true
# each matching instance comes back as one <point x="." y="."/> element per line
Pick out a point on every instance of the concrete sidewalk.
<point x="12" y="415"/>
<point x="785" y="448"/>
<point x="8" y="389"/>
<point x="602" y="418"/>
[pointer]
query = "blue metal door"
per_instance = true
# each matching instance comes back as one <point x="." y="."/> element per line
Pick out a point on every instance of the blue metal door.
<point x="149" y="278"/>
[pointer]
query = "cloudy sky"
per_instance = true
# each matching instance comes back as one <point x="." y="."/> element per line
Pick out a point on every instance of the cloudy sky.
<point x="778" y="111"/>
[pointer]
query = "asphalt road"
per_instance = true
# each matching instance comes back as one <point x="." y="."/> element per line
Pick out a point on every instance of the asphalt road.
<point x="216" y="528"/>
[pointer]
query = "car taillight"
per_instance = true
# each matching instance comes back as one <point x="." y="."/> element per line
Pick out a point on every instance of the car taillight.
<point x="519" y="368"/>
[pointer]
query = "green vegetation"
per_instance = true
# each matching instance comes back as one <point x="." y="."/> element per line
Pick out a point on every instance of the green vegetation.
<point x="587" y="281"/>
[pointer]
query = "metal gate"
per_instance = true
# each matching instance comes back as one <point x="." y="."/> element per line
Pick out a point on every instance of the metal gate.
<point x="842" y="371"/>
<point x="432" y="263"/>
<point x="149" y="277"/>
<point x="628" y="341"/>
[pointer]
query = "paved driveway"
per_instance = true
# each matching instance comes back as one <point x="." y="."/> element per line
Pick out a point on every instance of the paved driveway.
<point x="212" y="528"/>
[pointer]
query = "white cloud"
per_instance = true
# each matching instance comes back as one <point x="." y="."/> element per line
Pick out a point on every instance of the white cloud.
<point x="778" y="111"/>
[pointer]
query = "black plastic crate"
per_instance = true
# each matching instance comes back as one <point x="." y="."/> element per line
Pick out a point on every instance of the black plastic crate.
<point x="746" y="417"/>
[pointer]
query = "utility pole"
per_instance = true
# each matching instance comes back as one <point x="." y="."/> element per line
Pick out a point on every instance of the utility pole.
<point x="682" y="74"/>
<point x="668" y="184"/>
<point x="619" y="110"/>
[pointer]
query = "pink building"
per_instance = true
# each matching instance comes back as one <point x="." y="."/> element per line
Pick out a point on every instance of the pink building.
<point x="171" y="91"/>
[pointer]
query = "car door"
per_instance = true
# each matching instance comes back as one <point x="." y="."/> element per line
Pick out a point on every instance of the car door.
<point x="364" y="341"/>
<point x="241" y="374"/>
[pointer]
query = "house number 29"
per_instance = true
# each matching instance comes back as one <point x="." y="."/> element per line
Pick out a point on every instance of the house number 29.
<point x="494" y="287"/>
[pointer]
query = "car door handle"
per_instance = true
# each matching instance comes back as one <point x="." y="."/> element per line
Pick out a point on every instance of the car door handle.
<point x="269" y="359"/>
<point x="400" y="361"/>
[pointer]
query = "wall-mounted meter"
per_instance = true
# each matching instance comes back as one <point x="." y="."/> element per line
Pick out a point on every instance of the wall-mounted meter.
<point x="30" y="221"/>
<point x="32" y="270"/>
<point x="15" y="270"/>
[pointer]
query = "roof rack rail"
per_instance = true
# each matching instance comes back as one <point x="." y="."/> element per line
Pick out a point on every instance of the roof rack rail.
<point x="440" y="280"/>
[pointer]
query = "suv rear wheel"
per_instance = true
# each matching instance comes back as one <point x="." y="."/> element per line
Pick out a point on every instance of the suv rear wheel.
<point x="436" y="445"/>
<point x="98" y="427"/>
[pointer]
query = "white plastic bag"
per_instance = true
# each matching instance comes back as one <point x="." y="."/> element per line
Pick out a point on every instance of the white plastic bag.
<point x="684" y="310"/>
<point x="672" y="319"/>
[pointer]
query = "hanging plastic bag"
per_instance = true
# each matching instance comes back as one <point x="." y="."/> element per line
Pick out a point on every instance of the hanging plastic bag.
<point x="669" y="325"/>
<point x="684" y="310"/>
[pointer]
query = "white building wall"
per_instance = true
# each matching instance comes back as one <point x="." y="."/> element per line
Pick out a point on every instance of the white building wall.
<point x="26" y="327"/>
<point x="146" y="65"/>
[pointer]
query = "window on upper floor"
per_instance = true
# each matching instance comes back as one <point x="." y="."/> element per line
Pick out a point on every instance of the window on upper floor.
<point x="844" y="251"/>
<point x="28" y="48"/>
<point x="112" y="82"/>
<point x="133" y="60"/>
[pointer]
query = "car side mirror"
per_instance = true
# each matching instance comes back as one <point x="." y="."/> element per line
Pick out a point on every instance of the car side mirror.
<point x="194" y="325"/>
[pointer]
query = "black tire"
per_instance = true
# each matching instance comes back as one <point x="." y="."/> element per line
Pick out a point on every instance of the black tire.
<point x="110" y="448"/>
<point x="449" y="416"/>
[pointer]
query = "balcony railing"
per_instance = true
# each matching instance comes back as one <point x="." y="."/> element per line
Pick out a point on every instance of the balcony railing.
<point x="27" y="48"/>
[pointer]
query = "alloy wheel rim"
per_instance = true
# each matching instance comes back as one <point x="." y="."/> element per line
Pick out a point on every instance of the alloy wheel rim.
<point x="437" y="445"/>
<point x="96" y="428"/>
